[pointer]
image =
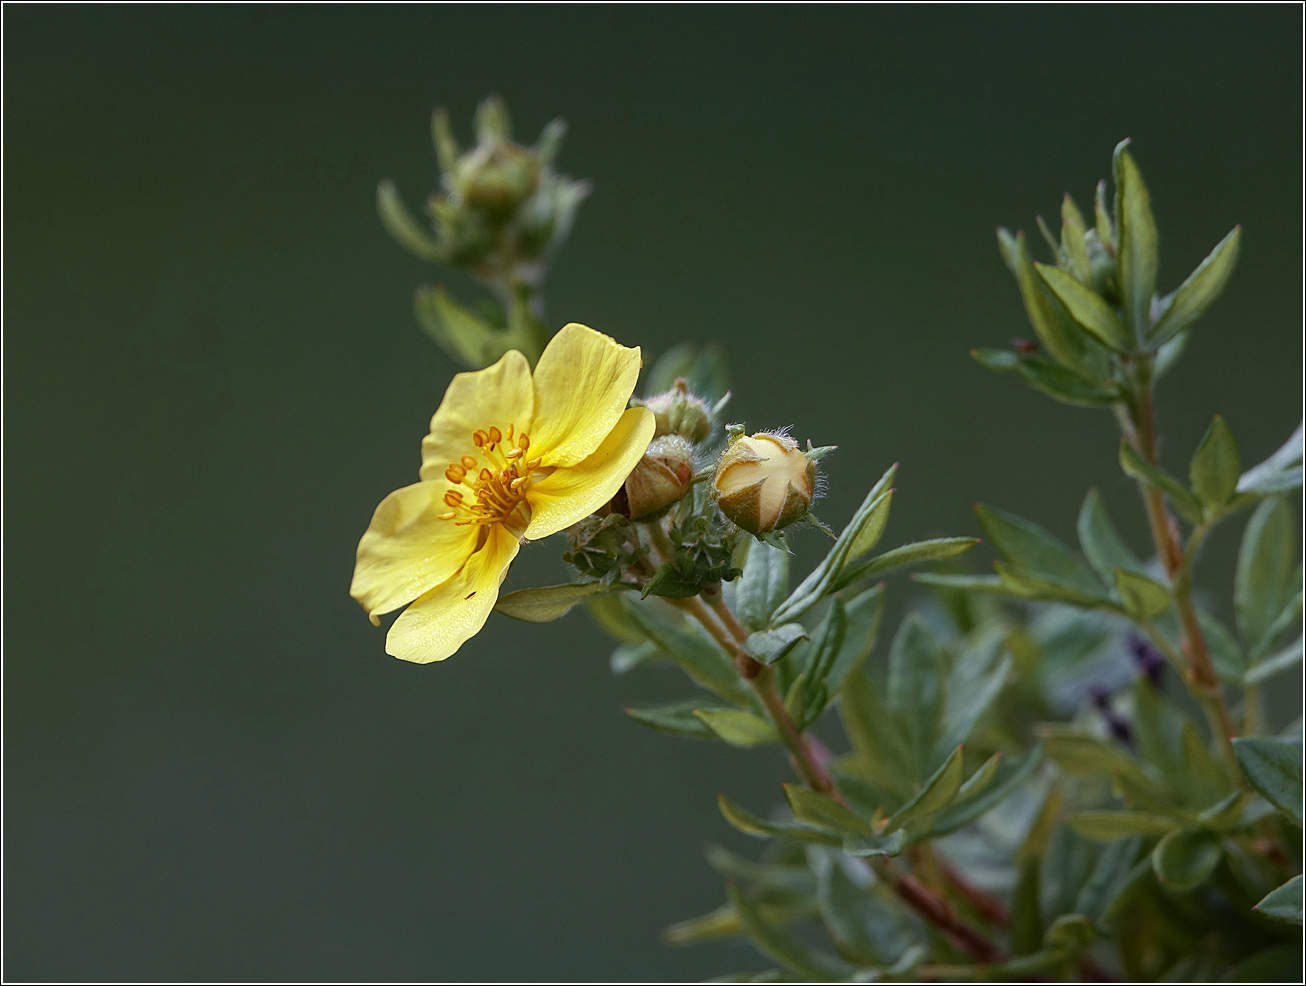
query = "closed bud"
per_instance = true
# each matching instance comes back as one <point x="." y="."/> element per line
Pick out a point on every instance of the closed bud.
<point x="497" y="177"/>
<point x="764" y="482"/>
<point x="662" y="477"/>
<point x="678" y="412"/>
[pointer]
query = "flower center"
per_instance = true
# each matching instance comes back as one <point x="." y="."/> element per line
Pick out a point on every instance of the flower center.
<point x="493" y="492"/>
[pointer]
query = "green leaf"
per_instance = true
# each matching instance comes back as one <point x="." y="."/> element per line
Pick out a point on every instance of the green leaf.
<point x="782" y="947"/>
<point x="763" y="585"/>
<point x="1214" y="469"/>
<point x="863" y="845"/>
<point x="1196" y="294"/>
<point x="462" y="334"/>
<point x="1072" y="240"/>
<point x="1024" y="586"/>
<point x="938" y="549"/>
<point x="1106" y="230"/>
<point x="915" y="669"/>
<point x="1087" y="756"/>
<point x="1137" y="253"/>
<point x="1279" y="473"/>
<point x="737" y="727"/>
<point x="1058" y="333"/>
<point x="857" y="538"/>
<point x="547" y="603"/>
<point x="400" y="224"/>
<point x="1274" y="768"/>
<point x="1032" y="551"/>
<point x="701" y="659"/>
<point x="981" y="779"/>
<point x="936" y="795"/>
<point x="987" y="584"/>
<point x="678" y="718"/>
<point x="750" y="824"/>
<point x="769" y="646"/>
<point x="970" y="806"/>
<point x="1278" y="964"/>
<point x="1226" y="656"/>
<point x="819" y="809"/>
<point x="1110" y="878"/>
<point x="863" y="613"/>
<point x="1071" y="933"/>
<point x="883" y="754"/>
<point x="1262" y="584"/>
<point x="1056" y="381"/>
<point x="1276" y="662"/>
<point x="1143" y="599"/>
<point x="866" y="927"/>
<point x="1284" y="903"/>
<point x="1108" y="825"/>
<point x="671" y="583"/>
<point x="613" y="618"/>
<point x="721" y="923"/>
<point x="1158" y="731"/>
<point x="627" y="657"/>
<point x="1183" y="501"/>
<point x="1186" y="858"/>
<point x="1225" y="813"/>
<point x="977" y="676"/>
<point x="1087" y="308"/>
<point x="1102" y="546"/>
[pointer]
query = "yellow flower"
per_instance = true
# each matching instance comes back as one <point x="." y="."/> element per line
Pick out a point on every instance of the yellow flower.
<point x="510" y="458"/>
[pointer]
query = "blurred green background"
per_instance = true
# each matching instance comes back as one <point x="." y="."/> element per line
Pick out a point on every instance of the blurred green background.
<point x="212" y="375"/>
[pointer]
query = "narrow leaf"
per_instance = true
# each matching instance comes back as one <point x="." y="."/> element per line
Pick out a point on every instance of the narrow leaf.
<point x="1087" y="308"/>
<point x="1144" y="599"/>
<point x="968" y="807"/>
<point x="1214" y="469"/>
<point x="769" y="646"/>
<point x="1186" y="858"/>
<point x="867" y="521"/>
<point x="1196" y="294"/>
<point x="1102" y="546"/>
<point x="701" y="659"/>
<point x="678" y="718"/>
<point x="780" y="946"/>
<point x="1033" y="551"/>
<point x="1110" y="878"/>
<point x="401" y="224"/>
<point x="737" y="727"/>
<point x="1184" y="502"/>
<point x="937" y="793"/>
<point x="750" y="824"/>
<point x="1274" y="768"/>
<point x="1058" y="333"/>
<point x="1262" y="583"/>
<point x="1108" y="825"/>
<point x="977" y="677"/>
<point x="763" y="585"/>
<point x="1279" y="473"/>
<point x="863" y="612"/>
<point x="938" y="549"/>
<point x="547" y="603"/>
<point x="1284" y="903"/>
<point x="1276" y="662"/>
<point x="1137" y="252"/>
<point x="818" y="809"/>
<point x="913" y="692"/>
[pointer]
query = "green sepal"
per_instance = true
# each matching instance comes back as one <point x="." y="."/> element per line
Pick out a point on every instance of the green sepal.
<point x="401" y="224"/>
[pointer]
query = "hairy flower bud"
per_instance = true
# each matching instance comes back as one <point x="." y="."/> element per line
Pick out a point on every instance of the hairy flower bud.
<point x="663" y="476"/>
<point x="497" y="177"/>
<point x="764" y="482"/>
<point x="678" y="412"/>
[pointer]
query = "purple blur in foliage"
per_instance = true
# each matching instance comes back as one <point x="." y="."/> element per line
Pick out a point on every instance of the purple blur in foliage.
<point x="1117" y="723"/>
<point x="1150" y="661"/>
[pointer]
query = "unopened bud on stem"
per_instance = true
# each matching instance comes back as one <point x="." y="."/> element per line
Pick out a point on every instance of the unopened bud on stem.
<point x="764" y="482"/>
<point x="662" y="477"/>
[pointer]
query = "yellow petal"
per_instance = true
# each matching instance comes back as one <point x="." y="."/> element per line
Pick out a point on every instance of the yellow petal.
<point x="435" y="626"/>
<point x="500" y="395"/>
<point x="568" y="494"/>
<point x="407" y="549"/>
<point x="582" y="384"/>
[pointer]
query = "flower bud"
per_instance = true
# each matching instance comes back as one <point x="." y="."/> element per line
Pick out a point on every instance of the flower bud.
<point x="764" y="482"/>
<point x="663" y="476"/>
<point x="678" y="412"/>
<point x="497" y="178"/>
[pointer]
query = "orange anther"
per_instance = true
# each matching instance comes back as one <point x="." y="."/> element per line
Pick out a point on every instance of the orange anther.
<point x="455" y="473"/>
<point x="496" y="436"/>
<point x="449" y="516"/>
<point x="523" y="441"/>
<point x="479" y="438"/>
<point x="468" y="462"/>
<point x="513" y="453"/>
